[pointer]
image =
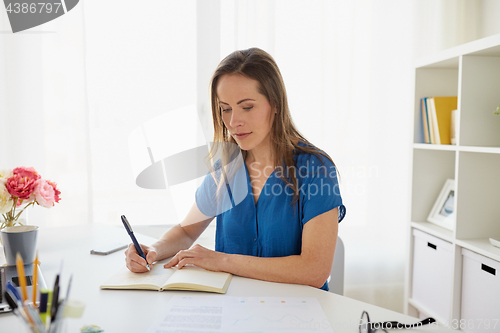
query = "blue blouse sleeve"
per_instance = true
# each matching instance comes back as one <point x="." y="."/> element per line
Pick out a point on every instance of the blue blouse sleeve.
<point x="319" y="191"/>
<point x="205" y="196"/>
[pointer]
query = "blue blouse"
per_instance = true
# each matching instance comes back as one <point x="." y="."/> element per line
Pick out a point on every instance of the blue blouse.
<point x="273" y="226"/>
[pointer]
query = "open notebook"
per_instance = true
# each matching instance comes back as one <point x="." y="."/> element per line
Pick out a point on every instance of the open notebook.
<point x="159" y="278"/>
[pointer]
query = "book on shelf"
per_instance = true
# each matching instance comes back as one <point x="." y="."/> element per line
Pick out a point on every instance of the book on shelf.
<point x="425" y="123"/>
<point x="188" y="278"/>
<point x="435" y="139"/>
<point x="443" y="107"/>
<point x="437" y="119"/>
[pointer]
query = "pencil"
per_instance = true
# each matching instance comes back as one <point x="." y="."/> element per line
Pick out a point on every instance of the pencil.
<point x="21" y="277"/>
<point x="22" y="282"/>
<point x="35" y="279"/>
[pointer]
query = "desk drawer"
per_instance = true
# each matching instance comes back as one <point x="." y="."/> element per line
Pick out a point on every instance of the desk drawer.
<point x="480" y="293"/>
<point x="432" y="274"/>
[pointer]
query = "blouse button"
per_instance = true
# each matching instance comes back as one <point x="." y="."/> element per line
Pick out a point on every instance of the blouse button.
<point x="255" y="239"/>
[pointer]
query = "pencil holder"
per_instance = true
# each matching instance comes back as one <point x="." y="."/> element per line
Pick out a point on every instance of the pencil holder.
<point x="60" y="326"/>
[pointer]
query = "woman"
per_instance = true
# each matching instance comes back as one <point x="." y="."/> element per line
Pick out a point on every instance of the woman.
<point x="289" y="218"/>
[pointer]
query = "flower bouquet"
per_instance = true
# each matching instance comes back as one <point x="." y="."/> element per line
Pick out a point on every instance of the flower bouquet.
<point x="24" y="186"/>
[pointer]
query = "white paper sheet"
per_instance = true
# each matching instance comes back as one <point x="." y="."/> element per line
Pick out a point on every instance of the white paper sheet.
<point x="225" y="314"/>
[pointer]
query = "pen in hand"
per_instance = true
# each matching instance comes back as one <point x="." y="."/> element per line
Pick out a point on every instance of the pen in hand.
<point x="134" y="240"/>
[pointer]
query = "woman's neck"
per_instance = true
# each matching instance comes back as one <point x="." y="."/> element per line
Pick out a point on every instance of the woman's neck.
<point x="262" y="155"/>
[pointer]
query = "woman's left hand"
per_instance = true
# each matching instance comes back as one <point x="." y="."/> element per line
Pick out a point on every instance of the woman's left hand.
<point x="198" y="256"/>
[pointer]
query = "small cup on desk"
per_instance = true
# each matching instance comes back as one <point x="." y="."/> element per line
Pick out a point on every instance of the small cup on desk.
<point x="20" y="239"/>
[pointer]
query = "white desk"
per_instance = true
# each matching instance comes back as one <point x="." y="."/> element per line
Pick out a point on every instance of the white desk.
<point x="135" y="311"/>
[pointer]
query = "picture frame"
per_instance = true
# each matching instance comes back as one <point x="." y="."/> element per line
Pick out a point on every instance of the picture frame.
<point x="443" y="212"/>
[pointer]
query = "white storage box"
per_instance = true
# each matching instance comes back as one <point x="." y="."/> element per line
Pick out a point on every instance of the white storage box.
<point x="480" y="293"/>
<point x="432" y="275"/>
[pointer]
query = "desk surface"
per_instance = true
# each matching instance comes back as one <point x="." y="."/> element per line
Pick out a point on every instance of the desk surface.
<point x="135" y="311"/>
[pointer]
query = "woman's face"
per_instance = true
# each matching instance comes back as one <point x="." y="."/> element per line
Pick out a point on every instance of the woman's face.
<point x="247" y="114"/>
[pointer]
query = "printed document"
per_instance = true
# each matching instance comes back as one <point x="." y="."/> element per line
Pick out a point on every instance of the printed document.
<point x="225" y="314"/>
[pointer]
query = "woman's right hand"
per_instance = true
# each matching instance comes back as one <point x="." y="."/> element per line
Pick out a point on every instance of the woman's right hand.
<point x="136" y="263"/>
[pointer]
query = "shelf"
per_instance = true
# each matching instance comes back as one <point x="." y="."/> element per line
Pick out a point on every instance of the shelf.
<point x="472" y="73"/>
<point x="481" y="246"/>
<point x="472" y="149"/>
<point x="445" y="62"/>
<point x="491" y="150"/>
<point x="434" y="230"/>
<point x="489" y="47"/>
<point x="477" y="205"/>
<point x="435" y="147"/>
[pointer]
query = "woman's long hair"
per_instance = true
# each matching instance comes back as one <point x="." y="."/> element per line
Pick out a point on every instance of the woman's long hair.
<point x="258" y="65"/>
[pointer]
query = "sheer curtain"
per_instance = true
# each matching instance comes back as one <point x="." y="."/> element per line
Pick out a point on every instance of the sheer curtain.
<point x="43" y="112"/>
<point x="140" y="64"/>
<point x="72" y="90"/>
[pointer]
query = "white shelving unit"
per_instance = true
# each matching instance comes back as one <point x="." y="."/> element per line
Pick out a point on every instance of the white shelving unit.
<point x="471" y="72"/>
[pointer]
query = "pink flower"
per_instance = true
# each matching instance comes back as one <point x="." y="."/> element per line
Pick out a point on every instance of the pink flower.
<point x="45" y="194"/>
<point x="56" y="191"/>
<point x="22" y="183"/>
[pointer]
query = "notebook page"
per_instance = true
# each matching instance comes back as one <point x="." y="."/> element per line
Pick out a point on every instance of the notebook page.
<point x="200" y="276"/>
<point x="156" y="277"/>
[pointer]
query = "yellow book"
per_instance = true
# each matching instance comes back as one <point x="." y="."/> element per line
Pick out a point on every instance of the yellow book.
<point x="188" y="278"/>
<point x="443" y="107"/>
